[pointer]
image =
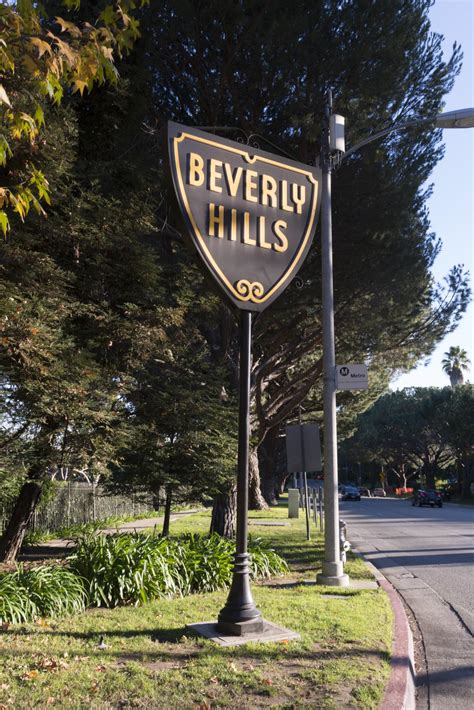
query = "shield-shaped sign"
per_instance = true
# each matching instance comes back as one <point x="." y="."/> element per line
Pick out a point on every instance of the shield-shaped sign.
<point x="251" y="214"/>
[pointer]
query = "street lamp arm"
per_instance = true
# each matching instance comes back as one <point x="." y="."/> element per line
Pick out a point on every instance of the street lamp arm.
<point x="463" y="118"/>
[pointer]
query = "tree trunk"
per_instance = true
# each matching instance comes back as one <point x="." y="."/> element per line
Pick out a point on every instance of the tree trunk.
<point x="268" y="466"/>
<point x="256" y="500"/>
<point x="466" y="480"/>
<point x="429" y="470"/>
<point x="166" y="520"/>
<point x="282" y="479"/>
<point x="25" y="505"/>
<point x="223" y="513"/>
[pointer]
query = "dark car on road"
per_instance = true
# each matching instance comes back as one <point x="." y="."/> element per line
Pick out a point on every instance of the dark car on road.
<point x="350" y="493"/>
<point x="431" y="498"/>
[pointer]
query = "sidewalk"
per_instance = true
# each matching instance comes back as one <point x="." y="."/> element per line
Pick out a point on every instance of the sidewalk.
<point x="60" y="547"/>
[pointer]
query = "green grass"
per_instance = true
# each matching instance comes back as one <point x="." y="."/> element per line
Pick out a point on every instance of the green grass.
<point x="152" y="660"/>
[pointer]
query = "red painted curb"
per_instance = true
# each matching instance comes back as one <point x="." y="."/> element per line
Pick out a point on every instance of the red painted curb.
<point x="400" y="691"/>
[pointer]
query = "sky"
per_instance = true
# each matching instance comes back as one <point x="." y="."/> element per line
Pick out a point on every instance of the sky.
<point x="451" y="206"/>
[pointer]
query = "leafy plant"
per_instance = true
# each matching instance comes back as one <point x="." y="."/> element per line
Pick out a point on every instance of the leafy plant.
<point x="46" y="590"/>
<point x="135" y="568"/>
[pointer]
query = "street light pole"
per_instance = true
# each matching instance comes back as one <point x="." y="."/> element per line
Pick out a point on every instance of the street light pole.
<point x="333" y="571"/>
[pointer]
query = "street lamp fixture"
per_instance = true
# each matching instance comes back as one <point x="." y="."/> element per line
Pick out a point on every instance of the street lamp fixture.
<point x="333" y="144"/>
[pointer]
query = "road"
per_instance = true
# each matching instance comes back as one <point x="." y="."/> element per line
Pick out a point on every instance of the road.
<point x="428" y="555"/>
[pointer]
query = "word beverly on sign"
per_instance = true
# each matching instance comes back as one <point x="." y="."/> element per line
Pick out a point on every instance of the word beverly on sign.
<point x="251" y="214"/>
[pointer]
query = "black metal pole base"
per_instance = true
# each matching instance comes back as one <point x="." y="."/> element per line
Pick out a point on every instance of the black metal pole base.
<point x="240" y="616"/>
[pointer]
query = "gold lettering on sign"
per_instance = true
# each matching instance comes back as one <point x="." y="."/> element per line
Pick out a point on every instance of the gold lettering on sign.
<point x="284" y="197"/>
<point x="196" y="170"/>
<point x="278" y="226"/>
<point x="214" y="175"/>
<point x="232" y="178"/>
<point x="261" y="234"/>
<point x="298" y="195"/>
<point x="213" y="220"/>
<point x="269" y="189"/>
<point x="233" y="225"/>
<point x="247" y="239"/>
<point x="250" y="185"/>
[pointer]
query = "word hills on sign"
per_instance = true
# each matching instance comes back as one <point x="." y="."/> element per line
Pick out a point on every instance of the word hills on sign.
<point x="352" y="377"/>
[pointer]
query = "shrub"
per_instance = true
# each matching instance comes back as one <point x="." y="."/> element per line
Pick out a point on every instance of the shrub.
<point x="134" y="568"/>
<point x="108" y="570"/>
<point x="45" y="590"/>
<point x="123" y="568"/>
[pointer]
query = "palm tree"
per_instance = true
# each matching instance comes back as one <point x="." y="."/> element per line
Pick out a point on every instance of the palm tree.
<point x="454" y="362"/>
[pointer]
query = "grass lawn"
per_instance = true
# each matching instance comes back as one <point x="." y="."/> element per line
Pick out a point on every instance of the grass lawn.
<point x="146" y="658"/>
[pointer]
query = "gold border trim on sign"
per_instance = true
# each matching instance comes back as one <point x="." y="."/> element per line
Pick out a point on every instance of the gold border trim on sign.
<point x="254" y="293"/>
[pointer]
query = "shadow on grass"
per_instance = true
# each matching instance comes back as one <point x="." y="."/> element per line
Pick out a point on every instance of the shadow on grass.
<point x="297" y="556"/>
<point x="183" y="644"/>
<point x="156" y="635"/>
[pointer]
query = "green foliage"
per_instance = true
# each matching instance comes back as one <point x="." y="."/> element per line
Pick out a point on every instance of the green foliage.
<point x="453" y="364"/>
<point x="151" y="659"/>
<point x="40" y="60"/>
<point x="135" y="568"/>
<point x="112" y="325"/>
<point x="46" y="590"/>
<point x="420" y="428"/>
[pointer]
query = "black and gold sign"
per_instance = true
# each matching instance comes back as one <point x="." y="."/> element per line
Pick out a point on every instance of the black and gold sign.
<point x="251" y="214"/>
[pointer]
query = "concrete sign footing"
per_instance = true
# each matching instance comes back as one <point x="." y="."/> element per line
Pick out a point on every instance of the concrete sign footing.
<point x="269" y="633"/>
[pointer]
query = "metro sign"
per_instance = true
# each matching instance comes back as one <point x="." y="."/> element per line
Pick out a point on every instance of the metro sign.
<point x="250" y="214"/>
<point x="352" y="377"/>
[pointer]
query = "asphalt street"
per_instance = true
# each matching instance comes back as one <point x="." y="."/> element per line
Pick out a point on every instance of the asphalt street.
<point x="428" y="555"/>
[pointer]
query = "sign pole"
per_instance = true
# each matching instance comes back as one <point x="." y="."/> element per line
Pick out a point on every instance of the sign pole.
<point x="240" y="615"/>
<point x="332" y="572"/>
<point x="306" y="499"/>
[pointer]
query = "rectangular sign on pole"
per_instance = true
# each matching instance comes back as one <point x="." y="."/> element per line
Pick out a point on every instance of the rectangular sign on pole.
<point x="303" y="448"/>
<point x="352" y="377"/>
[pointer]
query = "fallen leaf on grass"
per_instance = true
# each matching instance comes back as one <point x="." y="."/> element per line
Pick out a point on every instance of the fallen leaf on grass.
<point x="48" y="664"/>
<point x="51" y="700"/>
<point x="43" y="623"/>
<point x="214" y="680"/>
<point x="30" y="675"/>
<point x="4" y="686"/>
<point x="233" y="667"/>
<point x="101" y="668"/>
<point x="267" y="681"/>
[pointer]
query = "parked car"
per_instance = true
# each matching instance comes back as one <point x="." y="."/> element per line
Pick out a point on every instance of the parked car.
<point x="379" y="492"/>
<point x="364" y="491"/>
<point x="432" y="498"/>
<point x="350" y="493"/>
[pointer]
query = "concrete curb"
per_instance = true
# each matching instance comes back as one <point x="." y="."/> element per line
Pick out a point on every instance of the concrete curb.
<point x="400" y="690"/>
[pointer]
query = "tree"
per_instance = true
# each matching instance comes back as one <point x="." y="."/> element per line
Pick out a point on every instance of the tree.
<point x="406" y="430"/>
<point x="182" y="438"/>
<point x="41" y="59"/>
<point x="69" y="320"/>
<point x="458" y="428"/>
<point x="453" y="363"/>
<point x="390" y="315"/>
<point x="124" y="253"/>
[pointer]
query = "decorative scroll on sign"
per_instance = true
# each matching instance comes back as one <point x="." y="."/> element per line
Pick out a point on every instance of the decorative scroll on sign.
<point x="251" y="214"/>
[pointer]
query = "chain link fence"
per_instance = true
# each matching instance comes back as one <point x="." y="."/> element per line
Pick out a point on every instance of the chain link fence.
<point x="76" y="503"/>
